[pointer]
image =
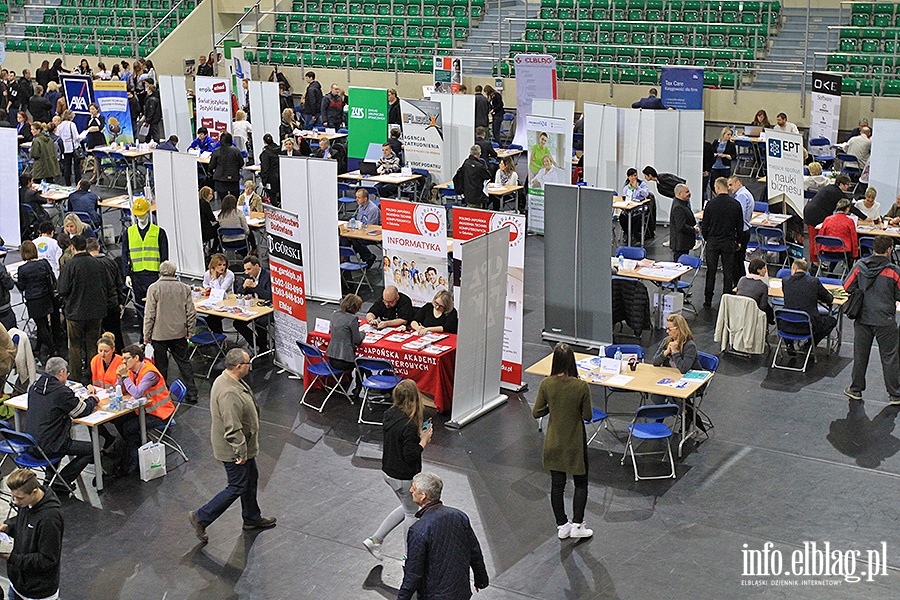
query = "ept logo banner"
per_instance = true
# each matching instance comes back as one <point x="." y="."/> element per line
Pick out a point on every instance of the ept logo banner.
<point x="775" y="148"/>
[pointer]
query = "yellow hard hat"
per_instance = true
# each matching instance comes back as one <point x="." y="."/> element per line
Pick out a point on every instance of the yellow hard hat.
<point x="141" y="207"/>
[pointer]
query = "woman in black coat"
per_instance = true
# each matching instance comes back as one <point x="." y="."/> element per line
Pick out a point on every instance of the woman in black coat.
<point x="724" y="152"/>
<point x="37" y="283"/>
<point x="95" y="126"/>
<point x="497" y="111"/>
<point x="269" y="172"/>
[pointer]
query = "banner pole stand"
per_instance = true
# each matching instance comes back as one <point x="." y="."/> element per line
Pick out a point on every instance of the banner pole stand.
<point x="517" y="389"/>
<point x="485" y="408"/>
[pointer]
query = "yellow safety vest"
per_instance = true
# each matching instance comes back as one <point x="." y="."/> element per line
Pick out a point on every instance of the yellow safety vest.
<point x="144" y="253"/>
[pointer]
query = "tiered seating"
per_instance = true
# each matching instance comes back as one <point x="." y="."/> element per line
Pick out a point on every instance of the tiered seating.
<point x="382" y="35"/>
<point x="588" y="37"/>
<point x="114" y="25"/>
<point x="868" y="50"/>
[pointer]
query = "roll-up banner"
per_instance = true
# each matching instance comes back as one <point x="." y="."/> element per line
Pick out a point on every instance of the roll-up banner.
<point x="535" y="78"/>
<point x="213" y="98"/>
<point x="547" y="163"/>
<point x="825" y="109"/>
<point x="884" y="169"/>
<point x="112" y="98"/>
<point x="423" y="136"/>
<point x="79" y="93"/>
<point x="367" y="120"/>
<point x="682" y="88"/>
<point x="415" y="246"/>
<point x="784" y="168"/>
<point x="288" y="295"/>
<point x="469" y="223"/>
<point x="447" y="74"/>
<point x="10" y="228"/>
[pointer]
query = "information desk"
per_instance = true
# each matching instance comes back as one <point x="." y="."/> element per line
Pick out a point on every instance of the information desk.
<point x="501" y="191"/>
<point x="621" y="203"/>
<point x="645" y="379"/>
<point x="868" y="228"/>
<point x="55" y="193"/>
<point x="433" y="373"/>
<point x="93" y="421"/>
<point x="372" y="234"/>
<point x="395" y="178"/>
<point x="507" y="153"/>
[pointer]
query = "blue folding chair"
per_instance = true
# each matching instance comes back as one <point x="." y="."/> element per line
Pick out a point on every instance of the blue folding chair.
<point x="321" y="368"/>
<point x="833" y="245"/>
<point x="852" y="172"/>
<point x="866" y="246"/>
<point x="760" y="207"/>
<point x="240" y="246"/>
<point x="378" y="378"/>
<point x="160" y="433"/>
<point x="351" y="263"/>
<point x="29" y="455"/>
<point x="204" y="338"/>
<point x="746" y="156"/>
<point x="797" y="320"/>
<point x="817" y="145"/>
<point x="631" y="252"/>
<point x="648" y="424"/>
<point x="771" y="239"/>
<point x="598" y="420"/>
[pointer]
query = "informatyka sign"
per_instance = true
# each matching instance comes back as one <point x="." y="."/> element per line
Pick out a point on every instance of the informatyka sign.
<point x="682" y="88"/>
<point x="784" y="169"/>
<point x="213" y="97"/>
<point x="415" y="249"/>
<point x="288" y="288"/>
<point x="825" y="110"/>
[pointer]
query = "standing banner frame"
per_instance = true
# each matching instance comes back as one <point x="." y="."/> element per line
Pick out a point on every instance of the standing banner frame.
<point x="288" y="287"/>
<point x="176" y="113"/>
<point x="601" y="153"/>
<point x="535" y="76"/>
<point x="170" y="170"/>
<point x="548" y="162"/>
<point x="681" y="87"/>
<point x="213" y="98"/>
<point x="415" y="243"/>
<point x="78" y="91"/>
<point x="558" y="109"/>
<point x="367" y="119"/>
<point x="784" y="169"/>
<point x="482" y="300"/>
<point x="266" y="118"/>
<point x="825" y="110"/>
<point x="10" y="227"/>
<point x="423" y="137"/>
<point x="458" y="118"/>
<point x="112" y="98"/>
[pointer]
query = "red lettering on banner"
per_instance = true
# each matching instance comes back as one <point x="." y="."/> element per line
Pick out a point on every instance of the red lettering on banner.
<point x="219" y="87"/>
<point x="468" y="224"/>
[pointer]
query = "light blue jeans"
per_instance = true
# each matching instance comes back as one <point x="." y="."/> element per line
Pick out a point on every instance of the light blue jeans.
<point x="405" y="513"/>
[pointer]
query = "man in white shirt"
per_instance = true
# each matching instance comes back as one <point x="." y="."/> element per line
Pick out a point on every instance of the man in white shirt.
<point x="859" y="146"/>
<point x="745" y="199"/>
<point x="782" y="124"/>
<point x="47" y="246"/>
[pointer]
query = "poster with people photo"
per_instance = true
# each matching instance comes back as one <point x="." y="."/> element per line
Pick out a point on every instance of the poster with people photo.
<point x="547" y="163"/>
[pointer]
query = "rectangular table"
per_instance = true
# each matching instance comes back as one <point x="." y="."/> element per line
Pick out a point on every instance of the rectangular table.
<point x="776" y="291"/>
<point x="507" y="153"/>
<point x="372" y="233"/>
<point x="644" y="272"/>
<point x="231" y="301"/>
<point x="644" y="380"/>
<point x="432" y="373"/>
<point x="20" y="403"/>
<point x="620" y="203"/>
<point x="120" y="203"/>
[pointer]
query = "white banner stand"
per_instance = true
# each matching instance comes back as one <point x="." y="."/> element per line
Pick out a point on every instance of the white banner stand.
<point x="10" y="228"/>
<point x="560" y="109"/>
<point x="309" y="190"/>
<point x="265" y="113"/>
<point x="176" y="114"/>
<point x="784" y="169"/>
<point x="601" y="134"/>
<point x="458" y="117"/>
<point x="884" y="168"/>
<point x="482" y="309"/>
<point x="177" y="210"/>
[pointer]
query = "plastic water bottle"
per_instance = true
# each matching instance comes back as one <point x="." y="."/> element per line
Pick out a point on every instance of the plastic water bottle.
<point x="44" y="186"/>
<point x="246" y="206"/>
<point x="365" y="222"/>
<point x="619" y="358"/>
<point x="767" y="213"/>
<point x="117" y="399"/>
<point x="621" y="262"/>
<point x="353" y="222"/>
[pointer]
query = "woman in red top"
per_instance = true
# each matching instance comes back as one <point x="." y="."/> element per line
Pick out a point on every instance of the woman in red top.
<point x="840" y="225"/>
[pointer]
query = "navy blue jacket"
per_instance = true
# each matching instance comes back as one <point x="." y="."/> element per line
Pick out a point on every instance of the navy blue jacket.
<point x="85" y="201"/>
<point x="441" y="547"/>
<point x="650" y="102"/>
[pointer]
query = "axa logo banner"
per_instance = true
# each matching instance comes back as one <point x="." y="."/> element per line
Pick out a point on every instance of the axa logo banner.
<point x="78" y="91"/>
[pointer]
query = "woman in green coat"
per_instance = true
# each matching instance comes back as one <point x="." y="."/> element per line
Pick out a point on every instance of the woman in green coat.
<point x="43" y="152"/>
<point x="567" y="399"/>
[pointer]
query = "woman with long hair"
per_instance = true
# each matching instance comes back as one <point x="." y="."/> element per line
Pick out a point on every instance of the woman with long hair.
<point x="73" y="225"/>
<point x="567" y="399"/>
<point x="677" y="349"/>
<point x="405" y="437"/>
<point x="36" y="281"/>
<point x="232" y="218"/>
<point x="497" y="111"/>
<point x="217" y="277"/>
<point x="23" y="127"/>
<point x="724" y="152"/>
<point x="506" y="174"/>
<point x="68" y="133"/>
<point x="95" y="126"/>
<point x="105" y="363"/>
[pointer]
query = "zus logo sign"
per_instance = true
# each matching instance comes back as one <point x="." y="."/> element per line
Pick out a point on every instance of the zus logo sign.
<point x="357" y="112"/>
<point x="219" y="87"/>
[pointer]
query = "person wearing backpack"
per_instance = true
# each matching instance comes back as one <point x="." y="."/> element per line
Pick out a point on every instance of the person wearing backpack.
<point x="879" y="279"/>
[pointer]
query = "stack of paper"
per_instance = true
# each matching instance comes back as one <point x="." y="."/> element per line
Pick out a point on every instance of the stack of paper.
<point x="436" y="349"/>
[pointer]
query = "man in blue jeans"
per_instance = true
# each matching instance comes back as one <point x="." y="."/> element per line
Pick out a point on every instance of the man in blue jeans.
<point x="235" y="440"/>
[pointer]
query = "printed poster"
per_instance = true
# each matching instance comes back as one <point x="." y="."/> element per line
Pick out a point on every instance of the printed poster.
<point x="423" y="136"/>
<point x="548" y="162"/>
<point x="825" y="110"/>
<point x="288" y="288"/>
<point x="415" y="249"/>
<point x="784" y="169"/>
<point x="535" y="79"/>
<point x="367" y="119"/>
<point x="112" y="98"/>
<point x="471" y="222"/>
<point x="213" y="98"/>
<point x="682" y="88"/>
<point x="79" y="93"/>
<point x="447" y="75"/>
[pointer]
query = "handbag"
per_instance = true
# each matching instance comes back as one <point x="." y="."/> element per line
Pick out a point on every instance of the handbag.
<point x="79" y="152"/>
<point x="853" y="306"/>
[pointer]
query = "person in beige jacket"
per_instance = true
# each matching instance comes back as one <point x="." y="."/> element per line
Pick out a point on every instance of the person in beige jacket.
<point x="235" y="441"/>
<point x="169" y="320"/>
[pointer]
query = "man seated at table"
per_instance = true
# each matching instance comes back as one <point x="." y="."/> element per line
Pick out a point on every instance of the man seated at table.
<point x="804" y="293"/>
<point x="368" y="212"/>
<point x="892" y="218"/>
<point x="394" y="309"/>
<point x="170" y="144"/>
<point x="51" y="408"/>
<point x="782" y="124"/>
<point x="387" y="164"/>
<point x="202" y="142"/>
<point x="139" y="378"/>
<point x="841" y="226"/>
<point x="259" y="283"/>
<point x="83" y="200"/>
<point x="470" y="178"/>
<point x="30" y="196"/>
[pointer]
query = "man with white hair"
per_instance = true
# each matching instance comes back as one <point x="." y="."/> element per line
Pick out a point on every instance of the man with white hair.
<point x="441" y="547"/>
<point x="682" y="224"/>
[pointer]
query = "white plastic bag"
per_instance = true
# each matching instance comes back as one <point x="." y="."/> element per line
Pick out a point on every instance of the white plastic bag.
<point x="152" y="461"/>
<point x="148" y="352"/>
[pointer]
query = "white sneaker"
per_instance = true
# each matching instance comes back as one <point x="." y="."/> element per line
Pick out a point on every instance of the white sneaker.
<point x="374" y="548"/>
<point x="580" y="531"/>
<point x="563" y="531"/>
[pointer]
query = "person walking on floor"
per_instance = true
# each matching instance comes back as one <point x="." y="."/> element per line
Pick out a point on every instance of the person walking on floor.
<point x="405" y="438"/>
<point x="721" y="227"/>
<point x="567" y="399"/>
<point x="880" y="280"/>
<point x="234" y="433"/>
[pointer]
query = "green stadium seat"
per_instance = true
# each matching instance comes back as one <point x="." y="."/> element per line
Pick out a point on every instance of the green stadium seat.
<point x="649" y="77"/>
<point x="590" y="74"/>
<point x="628" y="75"/>
<point x="849" y="86"/>
<point x="727" y="80"/>
<point x="710" y="79"/>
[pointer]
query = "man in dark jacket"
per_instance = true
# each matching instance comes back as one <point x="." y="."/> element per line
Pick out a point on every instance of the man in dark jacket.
<point x="116" y="293"/>
<point x="82" y="281"/>
<point x="312" y="101"/>
<point x="31" y="197"/>
<point x="721" y="226"/>
<point x="51" y="408"/>
<point x="880" y="280"/>
<point x="441" y="547"/>
<point x="482" y="108"/>
<point x="257" y="283"/>
<point x="650" y="102"/>
<point x="471" y="177"/>
<point x="804" y="292"/>
<point x="332" y="108"/>
<point x="170" y="144"/>
<point x="682" y="224"/>
<point x="40" y="108"/>
<point x="487" y="149"/>
<point x="23" y="90"/>
<point x="37" y="531"/>
<point x="153" y="113"/>
<point x="665" y="185"/>
<point x="85" y="201"/>
<point x="226" y="163"/>
<point x="823" y="205"/>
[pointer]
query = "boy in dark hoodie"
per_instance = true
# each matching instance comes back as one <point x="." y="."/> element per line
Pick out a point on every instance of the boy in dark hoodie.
<point x="37" y="531"/>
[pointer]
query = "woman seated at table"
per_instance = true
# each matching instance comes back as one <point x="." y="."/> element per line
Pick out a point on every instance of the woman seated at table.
<point x="250" y="197"/>
<point x="506" y="174"/>
<point x="633" y="191"/>
<point x="437" y="316"/>
<point x="679" y="351"/>
<point x="761" y="120"/>
<point x="345" y="336"/>
<point x="756" y="285"/>
<point x="73" y="226"/>
<point x="217" y="277"/>
<point x="232" y="218"/>
<point x="815" y="181"/>
<point x="840" y="225"/>
<point x="870" y="207"/>
<point x="104" y="374"/>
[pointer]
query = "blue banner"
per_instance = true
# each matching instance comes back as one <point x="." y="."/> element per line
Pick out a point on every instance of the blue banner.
<point x="79" y="93"/>
<point x="112" y="98"/>
<point x="682" y="88"/>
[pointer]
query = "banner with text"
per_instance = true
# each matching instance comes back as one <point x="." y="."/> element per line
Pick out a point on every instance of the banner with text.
<point x="548" y="162"/>
<point x="112" y="98"/>
<point x="213" y="98"/>
<point x="79" y="93"/>
<point x="423" y="136"/>
<point x="682" y="88"/>
<point x="784" y="169"/>
<point x="535" y="78"/>
<point x="288" y="294"/>
<point x="825" y="110"/>
<point x="415" y="249"/>
<point x="447" y="74"/>
<point x="469" y="223"/>
<point x="367" y="120"/>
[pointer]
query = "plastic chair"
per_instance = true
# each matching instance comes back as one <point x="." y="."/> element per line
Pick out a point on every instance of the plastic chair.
<point x="866" y="246"/>
<point x="599" y="419"/>
<point x="29" y="455"/>
<point x="685" y="287"/>
<point x="177" y="392"/>
<point x="798" y="318"/>
<point x="378" y="376"/>
<point x="853" y="172"/>
<point x="240" y="247"/>
<point x="761" y="206"/>
<point x="832" y="244"/>
<point x="771" y="239"/>
<point x="651" y="427"/>
<point x="826" y="160"/>
<point x="746" y="156"/>
<point x="610" y="352"/>
<point x="351" y="263"/>
<point x="321" y="369"/>
<point x="708" y="362"/>
<point x="205" y="339"/>
<point x="631" y="252"/>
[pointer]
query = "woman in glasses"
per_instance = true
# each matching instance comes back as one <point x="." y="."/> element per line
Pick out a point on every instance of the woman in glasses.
<point x="437" y="316"/>
<point x="677" y="349"/>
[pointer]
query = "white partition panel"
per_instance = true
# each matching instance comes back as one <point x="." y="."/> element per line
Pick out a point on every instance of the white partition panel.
<point x="10" y="229"/>
<point x="884" y="167"/>
<point x="309" y="190"/>
<point x="458" y="117"/>
<point x="177" y="211"/>
<point x="265" y="113"/>
<point x="176" y="114"/>
<point x="601" y="152"/>
<point x="561" y="109"/>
